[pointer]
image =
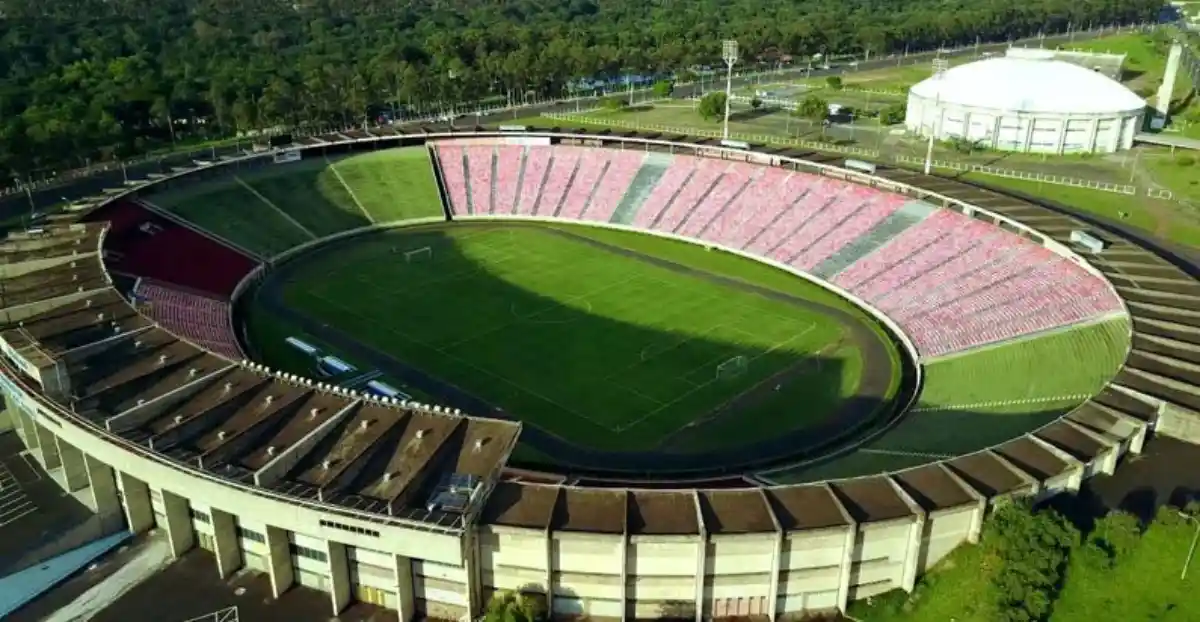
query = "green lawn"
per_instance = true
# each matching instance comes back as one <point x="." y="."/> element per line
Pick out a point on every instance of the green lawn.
<point x="987" y="396"/>
<point x="597" y="347"/>
<point x="270" y="209"/>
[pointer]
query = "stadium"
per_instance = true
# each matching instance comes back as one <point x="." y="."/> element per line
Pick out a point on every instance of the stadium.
<point x="643" y="376"/>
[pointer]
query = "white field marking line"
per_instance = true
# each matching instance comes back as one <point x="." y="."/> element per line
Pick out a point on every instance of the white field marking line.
<point x="1031" y="400"/>
<point x="8" y="520"/>
<point x="512" y="308"/>
<point x="353" y="197"/>
<point x="269" y="203"/>
<point x="908" y="454"/>
<point x="685" y="394"/>
<point x="551" y="307"/>
<point x="515" y="385"/>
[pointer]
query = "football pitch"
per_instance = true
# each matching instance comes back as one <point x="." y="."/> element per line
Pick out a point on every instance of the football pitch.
<point x="605" y="339"/>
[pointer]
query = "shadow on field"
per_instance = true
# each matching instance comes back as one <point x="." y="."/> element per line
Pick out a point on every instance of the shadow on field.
<point x="779" y="408"/>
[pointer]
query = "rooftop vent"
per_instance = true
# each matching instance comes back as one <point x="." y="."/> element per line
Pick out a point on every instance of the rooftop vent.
<point x="312" y="413"/>
<point x="420" y="434"/>
<point x="221" y="435"/>
<point x="137" y="343"/>
<point x="74" y="277"/>
<point x="326" y="464"/>
<point x="178" y="418"/>
<point x="87" y="303"/>
<point x="100" y="317"/>
<point x="387" y="477"/>
<point x="227" y="387"/>
<point x="162" y="358"/>
<point x="141" y="401"/>
<point x="269" y="399"/>
<point x="192" y="372"/>
<point x="364" y="424"/>
<point x="270" y="450"/>
<point x="479" y="444"/>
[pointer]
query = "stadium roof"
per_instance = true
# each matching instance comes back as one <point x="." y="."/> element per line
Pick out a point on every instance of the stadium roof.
<point x="1030" y="86"/>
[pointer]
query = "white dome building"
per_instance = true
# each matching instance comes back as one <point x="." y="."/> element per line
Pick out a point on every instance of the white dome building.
<point x="1027" y="104"/>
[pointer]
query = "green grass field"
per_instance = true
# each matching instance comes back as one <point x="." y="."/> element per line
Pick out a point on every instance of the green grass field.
<point x="986" y="396"/>
<point x="595" y="346"/>
<point x="270" y="209"/>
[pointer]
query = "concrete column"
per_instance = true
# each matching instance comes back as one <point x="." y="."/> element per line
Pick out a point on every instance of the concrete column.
<point x="279" y="561"/>
<point x="912" y="554"/>
<point x="105" y="500"/>
<point x="1029" y="135"/>
<point x="549" y="574"/>
<point x="847" y="567"/>
<point x="776" y="575"/>
<point x="28" y="429"/>
<point x="74" y="470"/>
<point x="225" y="540"/>
<point x="139" y="513"/>
<point x="180" y="530"/>
<point x="405" y="609"/>
<point x="339" y="575"/>
<point x="50" y="458"/>
<point x="1093" y="135"/>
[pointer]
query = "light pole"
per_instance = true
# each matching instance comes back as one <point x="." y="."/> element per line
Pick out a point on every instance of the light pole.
<point x="729" y="52"/>
<point x="1191" y="551"/>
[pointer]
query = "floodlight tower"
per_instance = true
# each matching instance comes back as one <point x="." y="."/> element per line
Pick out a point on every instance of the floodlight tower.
<point x="940" y="65"/>
<point x="729" y="52"/>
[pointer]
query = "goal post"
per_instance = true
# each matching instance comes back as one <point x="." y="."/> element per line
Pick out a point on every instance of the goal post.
<point x="732" y="368"/>
<point x="425" y="253"/>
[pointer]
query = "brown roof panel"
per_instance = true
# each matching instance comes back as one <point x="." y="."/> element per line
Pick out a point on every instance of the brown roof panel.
<point x="662" y="513"/>
<point x="483" y="445"/>
<point x="736" y="511"/>
<point x="871" y="499"/>
<point x="803" y="507"/>
<point x="933" y="488"/>
<point x="309" y="409"/>
<point x="521" y="505"/>
<point x="355" y="436"/>
<point x="227" y="387"/>
<point x="985" y="473"/>
<point x="591" y="509"/>
<point x="420" y="437"/>
<point x="1070" y="439"/>
<point x="1032" y="458"/>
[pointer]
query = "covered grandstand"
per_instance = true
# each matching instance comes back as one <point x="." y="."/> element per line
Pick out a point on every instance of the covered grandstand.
<point x="335" y="490"/>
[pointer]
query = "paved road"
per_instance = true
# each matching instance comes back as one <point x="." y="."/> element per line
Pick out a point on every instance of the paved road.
<point x="848" y="423"/>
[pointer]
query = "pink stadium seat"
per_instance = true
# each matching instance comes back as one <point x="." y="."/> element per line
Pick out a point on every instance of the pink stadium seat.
<point x="803" y="196"/>
<point x="705" y="174"/>
<point x="509" y="159"/>
<point x="479" y="165"/>
<point x="561" y="170"/>
<point x="754" y="204"/>
<point x="623" y="167"/>
<point x="873" y="211"/>
<point x="671" y="182"/>
<point x="537" y="162"/>
<point x="732" y="181"/>
<point x="591" y="166"/>
<point x="454" y="176"/>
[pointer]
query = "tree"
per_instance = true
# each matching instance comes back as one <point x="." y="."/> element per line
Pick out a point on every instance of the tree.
<point x="663" y="89"/>
<point x="712" y="106"/>
<point x="834" y="82"/>
<point x="813" y="108"/>
<point x="513" y="606"/>
<point x="756" y="103"/>
<point x="1026" y="553"/>
<point x="892" y="114"/>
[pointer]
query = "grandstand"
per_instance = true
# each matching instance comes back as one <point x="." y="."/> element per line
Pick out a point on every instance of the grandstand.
<point x="410" y="507"/>
<point x="949" y="281"/>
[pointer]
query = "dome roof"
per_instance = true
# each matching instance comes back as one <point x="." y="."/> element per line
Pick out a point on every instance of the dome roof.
<point x="1029" y="85"/>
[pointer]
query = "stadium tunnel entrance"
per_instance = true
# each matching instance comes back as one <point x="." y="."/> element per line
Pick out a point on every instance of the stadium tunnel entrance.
<point x="698" y="448"/>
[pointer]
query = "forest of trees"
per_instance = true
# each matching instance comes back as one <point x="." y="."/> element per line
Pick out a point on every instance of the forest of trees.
<point x="87" y="80"/>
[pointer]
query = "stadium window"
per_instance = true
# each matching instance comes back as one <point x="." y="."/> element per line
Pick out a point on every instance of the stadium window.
<point x="200" y="516"/>
<point x="253" y="536"/>
<point x="359" y="530"/>
<point x="303" y="551"/>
